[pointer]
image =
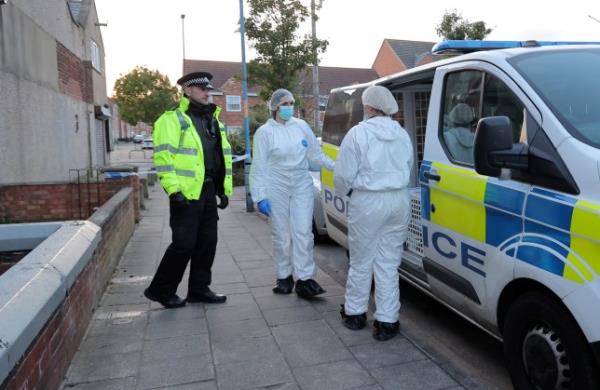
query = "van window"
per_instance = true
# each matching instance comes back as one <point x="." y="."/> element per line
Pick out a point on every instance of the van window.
<point x="466" y="102"/>
<point x="499" y="100"/>
<point x="567" y="80"/>
<point x="461" y="112"/>
<point x="344" y="110"/>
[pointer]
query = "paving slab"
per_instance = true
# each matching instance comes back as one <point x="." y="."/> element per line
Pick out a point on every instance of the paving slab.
<point x="256" y="340"/>
<point x="167" y="372"/>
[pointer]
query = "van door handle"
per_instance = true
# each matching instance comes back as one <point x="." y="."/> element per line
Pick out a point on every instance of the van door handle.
<point x="432" y="176"/>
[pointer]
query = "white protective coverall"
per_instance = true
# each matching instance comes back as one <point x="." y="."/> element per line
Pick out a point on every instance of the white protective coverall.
<point x="280" y="172"/>
<point x="375" y="162"/>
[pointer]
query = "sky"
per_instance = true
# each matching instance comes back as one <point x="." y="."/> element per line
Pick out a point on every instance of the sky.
<point x="149" y="32"/>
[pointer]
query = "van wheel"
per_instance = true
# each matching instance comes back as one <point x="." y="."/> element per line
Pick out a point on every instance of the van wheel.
<point x="544" y="347"/>
<point x="317" y="238"/>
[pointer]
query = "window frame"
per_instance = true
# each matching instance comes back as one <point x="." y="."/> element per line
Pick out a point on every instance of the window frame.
<point x="228" y="103"/>
<point x="95" y="55"/>
<point x="443" y="107"/>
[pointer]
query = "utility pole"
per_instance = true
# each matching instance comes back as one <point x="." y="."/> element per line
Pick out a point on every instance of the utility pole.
<point x="247" y="160"/>
<point x="183" y="37"/>
<point x="316" y="110"/>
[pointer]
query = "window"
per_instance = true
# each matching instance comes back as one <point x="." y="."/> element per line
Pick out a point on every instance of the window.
<point x="462" y="99"/>
<point x="469" y="96"/>
<point x="95" y="56"/>
<point x="323" y="102"/>
<point x="344" y="110"/>
<point x="499" y="100"/>
<point x="567" y="80"/>
<point x="234" y="103"/>
<point x="234" y="129"/>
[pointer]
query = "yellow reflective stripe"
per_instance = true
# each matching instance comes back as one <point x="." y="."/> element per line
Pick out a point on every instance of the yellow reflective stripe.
<point x="163" y="147"/>
<point x="585" y="241"/>
<point x="330" y="151"/>
<point x="165" y="168"/>
<point x="185" y="172"/>
<point x="226" y="150"/>
<point x="229" y="171"/>
<point x="188" y="151"/>
<point x="460" y="193"/>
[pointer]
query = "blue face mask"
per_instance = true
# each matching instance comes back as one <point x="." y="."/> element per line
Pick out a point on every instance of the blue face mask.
<point x="286" y="112"/>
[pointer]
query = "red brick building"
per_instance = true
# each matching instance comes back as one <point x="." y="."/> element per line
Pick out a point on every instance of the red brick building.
<point x="394" y="56"/>
<point x="397" y="55"/>
<point x="228" y="88"/>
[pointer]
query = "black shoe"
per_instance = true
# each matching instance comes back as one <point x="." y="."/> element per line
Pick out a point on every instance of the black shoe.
<point x="353" y="322"/>
<point x="308" y="288"/>
<point x="385" y="330"/>
<point x="206" y="296"/>
<point x="169" y="302"/>
<point x="284" y="286"/>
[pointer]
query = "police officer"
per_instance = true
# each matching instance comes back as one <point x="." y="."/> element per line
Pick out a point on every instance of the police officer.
<point x="193" y="161"/>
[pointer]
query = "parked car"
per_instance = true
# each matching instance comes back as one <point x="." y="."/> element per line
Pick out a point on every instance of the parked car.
<point x="505" y="204"/>
<point x="138" y="138"/>
<point x="147" y="143"/>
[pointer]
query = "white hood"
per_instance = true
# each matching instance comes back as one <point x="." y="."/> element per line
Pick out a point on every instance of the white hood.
<point x="376" y="155"/>
<point x="383" y="128"/>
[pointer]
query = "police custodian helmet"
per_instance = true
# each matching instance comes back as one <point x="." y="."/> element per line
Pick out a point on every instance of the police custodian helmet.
<point x="201" y="79"/>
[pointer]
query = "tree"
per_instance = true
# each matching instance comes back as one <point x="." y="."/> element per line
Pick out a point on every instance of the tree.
<point x="143" y="95"/>
<point x="454" y="27"/>
<point x="271" y="28"/>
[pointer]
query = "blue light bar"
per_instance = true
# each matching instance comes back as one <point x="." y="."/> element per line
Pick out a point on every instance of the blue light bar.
<point x="466" y="46"/>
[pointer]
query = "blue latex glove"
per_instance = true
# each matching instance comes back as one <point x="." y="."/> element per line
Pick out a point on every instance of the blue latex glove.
<point x="264" y="206"/>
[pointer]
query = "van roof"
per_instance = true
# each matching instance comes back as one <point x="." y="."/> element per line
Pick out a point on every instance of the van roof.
<point x="488" y="55"/>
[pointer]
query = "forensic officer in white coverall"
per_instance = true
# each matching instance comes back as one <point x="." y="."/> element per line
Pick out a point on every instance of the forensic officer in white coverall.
<point x="280" y="182"/>
<point x="373" y="168"/>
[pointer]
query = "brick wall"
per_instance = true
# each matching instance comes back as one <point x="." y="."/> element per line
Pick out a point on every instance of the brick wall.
<point x="229" y="118"/>
<point x="59" y="202"/>
<point x="48" y="358"/>
<point x="73" y="78"/>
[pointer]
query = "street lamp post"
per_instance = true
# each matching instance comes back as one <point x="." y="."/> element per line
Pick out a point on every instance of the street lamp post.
<point x="247" y="160"/>
<point x="183" y="36"/>
<point x="594" y="19"/>
<point x="316" y="108"/>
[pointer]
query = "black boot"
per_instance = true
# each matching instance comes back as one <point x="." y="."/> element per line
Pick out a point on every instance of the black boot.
<point x="206" y="296"/>
<point x="169" y="302"/>
<point x="353" y="321"/>
<point x="284" y="286"/>
<point x="308" y="288"/>
<point x="385" y="330"/>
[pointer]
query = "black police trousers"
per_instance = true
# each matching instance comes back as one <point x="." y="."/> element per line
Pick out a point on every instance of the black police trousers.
<point x="194" y="229"/>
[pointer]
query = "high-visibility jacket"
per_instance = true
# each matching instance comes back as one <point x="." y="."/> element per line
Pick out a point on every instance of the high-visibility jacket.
<point x="179" y="157"/>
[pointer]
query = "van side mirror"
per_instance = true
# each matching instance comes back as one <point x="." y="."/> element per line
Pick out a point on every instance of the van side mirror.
<point x="494" y="148"/>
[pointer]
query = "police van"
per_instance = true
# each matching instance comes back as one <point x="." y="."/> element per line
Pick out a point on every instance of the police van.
<point x="505" y="225"/>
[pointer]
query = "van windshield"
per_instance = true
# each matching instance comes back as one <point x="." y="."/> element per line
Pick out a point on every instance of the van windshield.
<point x="569" y="83"/>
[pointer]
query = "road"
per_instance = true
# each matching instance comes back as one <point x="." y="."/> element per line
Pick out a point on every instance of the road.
<point x="473" y="357"/>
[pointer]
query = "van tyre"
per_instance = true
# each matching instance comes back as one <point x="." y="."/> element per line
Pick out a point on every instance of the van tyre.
<point x="317" y="238"/>
<point x="544" y="347"/>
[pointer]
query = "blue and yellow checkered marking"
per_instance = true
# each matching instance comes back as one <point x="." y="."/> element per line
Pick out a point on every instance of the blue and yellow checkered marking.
<point x="552" y="231"/>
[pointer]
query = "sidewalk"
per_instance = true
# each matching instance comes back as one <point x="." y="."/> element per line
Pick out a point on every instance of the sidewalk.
<point x="256" y="340"/>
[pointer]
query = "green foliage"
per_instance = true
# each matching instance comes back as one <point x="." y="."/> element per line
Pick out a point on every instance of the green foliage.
<point x="259" y="115"/>
<point x="143" y="95"/>
<point x="271" y="28"/>
<point x="454" y="27"/>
